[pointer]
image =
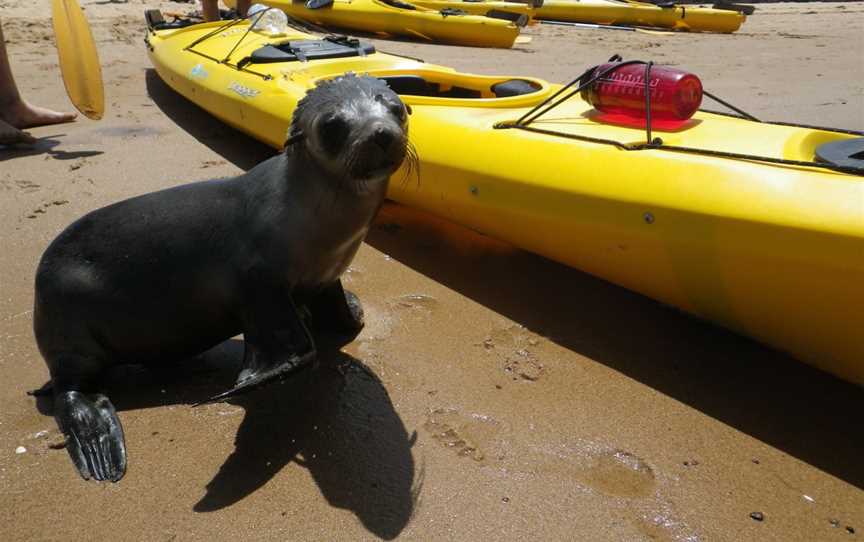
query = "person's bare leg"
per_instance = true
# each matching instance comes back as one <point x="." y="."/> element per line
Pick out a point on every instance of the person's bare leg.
<point x="9" y="135"/>
<point x="17" y="113"/>
<point x="210" y="10"/>
<point x="243" y="7"/>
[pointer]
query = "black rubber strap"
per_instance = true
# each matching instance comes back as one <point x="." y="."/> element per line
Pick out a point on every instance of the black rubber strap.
<point x="657" y="144"/>
<point x="647" y="78"/>
<point x="251" y="26"/>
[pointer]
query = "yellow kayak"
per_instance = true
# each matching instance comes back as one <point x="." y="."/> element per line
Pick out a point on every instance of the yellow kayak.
<point x="520" y="13"/>
<point x="771" y="250"/>
<point x="400" y="18"/>
<point x="631" y="13"/>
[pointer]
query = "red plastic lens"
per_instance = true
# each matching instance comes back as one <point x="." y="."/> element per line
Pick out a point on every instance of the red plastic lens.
<point x="675" y="94"/>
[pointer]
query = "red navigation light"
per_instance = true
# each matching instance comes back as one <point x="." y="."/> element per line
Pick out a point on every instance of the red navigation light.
<point x="675" y="94"/>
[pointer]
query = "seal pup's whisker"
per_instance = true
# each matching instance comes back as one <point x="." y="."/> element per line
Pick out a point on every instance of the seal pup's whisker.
<point x="412" y="164"/>
<point x="413" y="160"/>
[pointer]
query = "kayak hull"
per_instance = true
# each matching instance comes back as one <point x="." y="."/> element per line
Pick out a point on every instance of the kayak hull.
<point x="482" y="8"/>
<point x="375" y="16"/>
<point x="617" y="12"/>
<point x="774" y="252"/>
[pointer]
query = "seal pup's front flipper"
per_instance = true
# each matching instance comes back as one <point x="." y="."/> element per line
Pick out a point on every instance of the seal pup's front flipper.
<point x="336" y="310"/>
<point x="278" y="343"/>
<point x="265" y="374"/>
<point x="47" y="390"/>
<point x="94" y="436"/>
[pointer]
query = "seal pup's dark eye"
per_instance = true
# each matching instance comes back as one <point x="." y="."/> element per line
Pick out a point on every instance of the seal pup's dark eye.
<point x="398" y="111"/>
<point x="333" y="132"/>
<point x="395" y="107"/>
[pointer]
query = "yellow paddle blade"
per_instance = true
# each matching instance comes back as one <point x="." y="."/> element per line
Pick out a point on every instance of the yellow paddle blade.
<point x="79" y="62"/>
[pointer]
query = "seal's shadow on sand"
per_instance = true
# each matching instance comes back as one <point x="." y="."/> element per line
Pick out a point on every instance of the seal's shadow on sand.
<point x="337" y="421"/>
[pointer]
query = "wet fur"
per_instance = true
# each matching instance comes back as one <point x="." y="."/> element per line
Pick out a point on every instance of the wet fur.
<point x="329" y="92"/>
<point x="164" y="276"/>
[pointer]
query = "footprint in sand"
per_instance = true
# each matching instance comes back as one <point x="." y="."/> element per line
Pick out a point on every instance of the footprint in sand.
<point x="42" y="209"/>
<point x="467" y="436"/>
<point x="396" y="314"/>
<point x="27" y="187"/>
<point x="524" y="365"/>
<point x="212" y="163"/>
<point x="78" y="164"/>
<point x="657" y="521"/>
<point x="29" y="30"/>
<point x="419" y="304"/>
<point x="619" y="474"/>
<point x="514" y="345"/>
<point x="627" y="484"/>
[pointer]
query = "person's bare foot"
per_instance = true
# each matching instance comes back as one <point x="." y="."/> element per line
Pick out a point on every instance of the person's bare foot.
<point x="9" y="135"/>
<point x="24" y="115"/>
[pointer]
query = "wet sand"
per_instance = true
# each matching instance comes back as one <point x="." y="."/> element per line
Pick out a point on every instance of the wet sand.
<point x="493" y="394"/>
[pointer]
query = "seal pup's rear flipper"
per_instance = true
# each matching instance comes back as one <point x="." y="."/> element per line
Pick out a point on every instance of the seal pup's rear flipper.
<point x="94" y="437"/>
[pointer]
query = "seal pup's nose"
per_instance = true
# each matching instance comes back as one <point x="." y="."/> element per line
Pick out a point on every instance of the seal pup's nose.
<point x="383" y="137"/>
<point x="382" y="147"/>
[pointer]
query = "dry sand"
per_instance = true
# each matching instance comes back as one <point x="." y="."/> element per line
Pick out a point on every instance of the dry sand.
<point x="493" y="396"/>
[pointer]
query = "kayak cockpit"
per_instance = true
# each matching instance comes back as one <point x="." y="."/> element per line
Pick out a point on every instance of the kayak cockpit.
<point x="306" y="50"/>
<point x="415" y="85"/>
<point x="431" y="86"/>
<point x="428" y="83"/>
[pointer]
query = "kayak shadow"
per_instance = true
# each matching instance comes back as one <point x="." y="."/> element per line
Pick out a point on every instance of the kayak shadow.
<point x="336" y="421"/>
<point x="233" y="145"/>
<point x="766" y="394"/>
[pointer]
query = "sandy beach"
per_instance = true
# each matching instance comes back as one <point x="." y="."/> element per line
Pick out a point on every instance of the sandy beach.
<point x="494" y="395"/>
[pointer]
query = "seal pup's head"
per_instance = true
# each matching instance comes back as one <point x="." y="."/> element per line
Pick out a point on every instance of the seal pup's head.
<point x="353" y="127"/>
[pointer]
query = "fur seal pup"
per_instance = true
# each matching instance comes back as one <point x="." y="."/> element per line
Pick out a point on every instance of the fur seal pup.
<point x="167" y="275"/>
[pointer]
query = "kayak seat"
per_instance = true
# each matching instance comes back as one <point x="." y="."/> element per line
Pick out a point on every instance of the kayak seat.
<point x="399" y="4"/>
<point x="514" y="87"/>
<point x="304" y="50"/>
<point x="846" y="153"/>
<point x="459" y="92"/>
<point x="414" y="85"/>
<point x="447" y="12"/>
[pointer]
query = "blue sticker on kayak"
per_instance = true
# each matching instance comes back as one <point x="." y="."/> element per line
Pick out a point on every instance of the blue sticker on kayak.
<point x="198" y="72"/>
<point x="244" y="91"/>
